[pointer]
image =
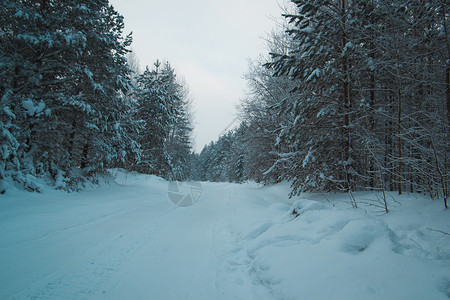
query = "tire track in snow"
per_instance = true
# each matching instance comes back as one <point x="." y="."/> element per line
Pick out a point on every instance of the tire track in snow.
<point x="95" y="267"/>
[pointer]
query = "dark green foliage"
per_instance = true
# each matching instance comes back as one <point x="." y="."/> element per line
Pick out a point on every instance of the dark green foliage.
<point x="162" y="115"/>
<point x="359" y="99"/>
<point x="62" y="74"/>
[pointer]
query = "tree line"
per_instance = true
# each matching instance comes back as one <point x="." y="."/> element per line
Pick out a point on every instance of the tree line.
<point x="354" y="95"/>
<point x="72" y="107"/>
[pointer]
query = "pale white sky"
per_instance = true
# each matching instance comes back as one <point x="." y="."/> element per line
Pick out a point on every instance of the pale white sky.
<point x="208" y="42"/>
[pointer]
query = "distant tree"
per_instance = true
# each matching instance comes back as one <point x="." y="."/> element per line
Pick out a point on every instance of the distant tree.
<point x="133" y="63"/>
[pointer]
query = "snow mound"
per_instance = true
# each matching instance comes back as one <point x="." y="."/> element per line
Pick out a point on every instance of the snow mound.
<point x="358" y="235"/>
<point x="303" y="205"/>
<point x="318" y="251"/>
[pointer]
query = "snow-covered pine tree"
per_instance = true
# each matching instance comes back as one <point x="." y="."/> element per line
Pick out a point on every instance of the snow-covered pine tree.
<point x="317" y="146"/>
<point x="62" y="72"/>
<point x="178" y="142"/>
<point x="155" y="113"/>
<point x="203" y="162"/>
<point x="214" y="161"/>
<point x="237" y="158"/>
<point x="23" y="82"/>
<point x="107" y="77"/>
<point x="162" y="110"/>
<point x="369" y="108"/>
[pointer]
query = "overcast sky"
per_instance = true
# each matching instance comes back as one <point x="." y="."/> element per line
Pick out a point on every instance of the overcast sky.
<point x="208" y="42"/>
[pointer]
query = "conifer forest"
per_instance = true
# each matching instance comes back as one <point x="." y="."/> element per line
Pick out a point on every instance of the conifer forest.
<point x="349" y="96"/>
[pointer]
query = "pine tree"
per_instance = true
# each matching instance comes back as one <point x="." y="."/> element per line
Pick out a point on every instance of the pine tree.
<point x="179" y="132"/>
<point x="63" y="72"/>
<point x="367" y="109"/>
<point x="154" y="114"/>
<point x="318" y="144"/>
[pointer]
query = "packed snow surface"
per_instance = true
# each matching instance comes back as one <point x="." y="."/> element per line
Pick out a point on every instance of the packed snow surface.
<point x="128" y="241"/>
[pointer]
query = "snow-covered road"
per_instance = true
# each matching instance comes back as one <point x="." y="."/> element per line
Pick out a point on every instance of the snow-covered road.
<point x="112" y="243"/>
<point x="129" y="241"/>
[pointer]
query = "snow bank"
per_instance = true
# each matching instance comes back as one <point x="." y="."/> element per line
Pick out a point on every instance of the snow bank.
<point x="316" y="251"/>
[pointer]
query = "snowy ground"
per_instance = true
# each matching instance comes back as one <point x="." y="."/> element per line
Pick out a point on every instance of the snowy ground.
<point x="128" y="241"/>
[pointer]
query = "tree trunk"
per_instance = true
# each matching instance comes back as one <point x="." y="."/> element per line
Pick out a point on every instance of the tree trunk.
<point x="346" y="96"/>
<point x="399" y="132"/>
<point x="71" y="142"/>
<point x="447" y="73"/>
<point x="398" y="95"/>
<point x="447" y="89"/>
<point x="84" y="156"/>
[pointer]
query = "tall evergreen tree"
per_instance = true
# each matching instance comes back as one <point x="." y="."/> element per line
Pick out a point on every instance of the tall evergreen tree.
<point x="155" y="114"/>
<point x="179" y="132"/>
<point x="318" y="144"/>
<point x="161" y="108"/>
<point x="63" y="72"/>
